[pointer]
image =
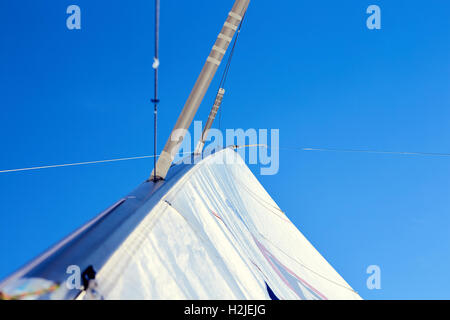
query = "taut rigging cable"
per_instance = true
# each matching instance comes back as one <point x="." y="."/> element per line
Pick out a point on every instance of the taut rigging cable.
<point x="429" y="154"/>
<point x="227" y="66"/>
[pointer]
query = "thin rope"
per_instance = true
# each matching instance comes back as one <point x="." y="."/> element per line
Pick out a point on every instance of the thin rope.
<point x="405" y="153"/>
<point x="230" y="57"/>
<point x="435" y="154"/>
<point x="76" y="164"/>
<point x="84" y="163"/>
<point x="227" y="67"/>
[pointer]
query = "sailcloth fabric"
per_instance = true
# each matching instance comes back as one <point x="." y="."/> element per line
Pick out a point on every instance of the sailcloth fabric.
<point x="217" y="234"/>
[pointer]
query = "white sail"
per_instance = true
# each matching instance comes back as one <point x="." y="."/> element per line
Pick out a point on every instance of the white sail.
<point x="209" y="231"/>
<point x="217" y="234"/>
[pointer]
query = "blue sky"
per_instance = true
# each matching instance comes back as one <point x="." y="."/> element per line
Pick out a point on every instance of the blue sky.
<point x="311" y="69"/>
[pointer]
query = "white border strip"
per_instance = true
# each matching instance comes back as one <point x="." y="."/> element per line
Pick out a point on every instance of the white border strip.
<point x="213" y="60"/>
<point x="224" y="37"/>
<point x="230" y="25"/>
<point x="235" y="15"/>
<point x="218" y="49"/>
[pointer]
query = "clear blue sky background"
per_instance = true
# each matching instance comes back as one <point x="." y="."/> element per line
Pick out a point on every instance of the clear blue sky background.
<point x="310" y="68"/>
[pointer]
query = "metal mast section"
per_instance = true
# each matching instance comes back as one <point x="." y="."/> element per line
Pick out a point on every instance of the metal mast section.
<point x="198" y="92"/>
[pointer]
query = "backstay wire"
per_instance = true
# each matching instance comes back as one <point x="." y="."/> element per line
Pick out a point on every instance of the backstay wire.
<point x="306" y="149"/>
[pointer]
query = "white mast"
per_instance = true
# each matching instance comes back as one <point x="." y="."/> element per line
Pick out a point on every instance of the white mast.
<point x="201" y="86"/>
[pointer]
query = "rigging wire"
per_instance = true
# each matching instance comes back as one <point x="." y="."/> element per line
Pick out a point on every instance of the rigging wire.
<point x="324" y="149"/>
<point x="77" y="164"/>
<point x="407" y="153"/>
<point x="227" y="66"/>
<point x="230" y="57"/>
<point x="431" y="154"/>
<point x="85" y="163"/>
